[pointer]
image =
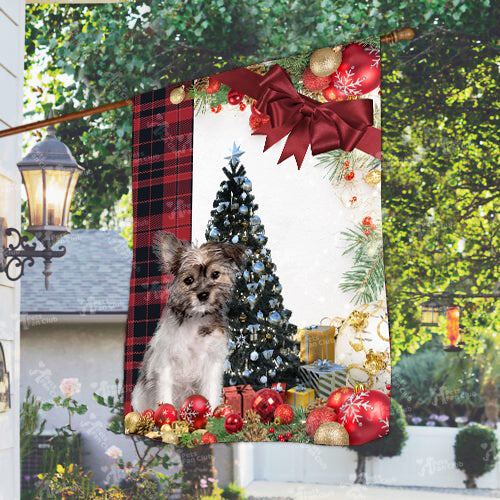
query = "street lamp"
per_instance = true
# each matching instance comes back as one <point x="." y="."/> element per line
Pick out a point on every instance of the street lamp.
<point x="429" y="313"/>
<point x="50" y="173"/>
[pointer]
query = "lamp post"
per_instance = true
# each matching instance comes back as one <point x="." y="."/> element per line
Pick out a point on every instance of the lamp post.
<point x="50" y="173"/>
<point x="429" y="315"/>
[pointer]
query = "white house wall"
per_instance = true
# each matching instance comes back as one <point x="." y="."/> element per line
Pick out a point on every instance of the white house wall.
<point x="11" y="88"/>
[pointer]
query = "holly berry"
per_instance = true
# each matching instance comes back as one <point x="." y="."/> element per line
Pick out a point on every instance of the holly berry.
<point x="388" y="387"/>
<point x="243" y="106"/>
<point x="367" y="232"/>
<point x="213" y="86"/>
<point x="367" y="221"/>
<point x="346" y="163"/>
<point x="280" y="437"/>
<point x="354" y="198"/>
<point x="349" y="176"/>
<point x="216" y="109"/>
<point x="389" y="393"/>
<point x="288" y="435"/>
<point x="271" y="430"/>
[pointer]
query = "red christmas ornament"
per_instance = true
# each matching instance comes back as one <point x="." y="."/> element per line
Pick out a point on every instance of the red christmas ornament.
<point x="367" y="232"/>
<point x="354" y="199"/>
<point x="338" y="397"/>
<point x="388" y="387"/>
<point x="359" y="72"/>
<point x="216" y="109"/>
<point x="271" y="430"/>
<point x="313" y="82"/>
<point x="332" y="93"/>
<point x="365" y="416"/>
<point x="257" y="121"/>
<point x="317" y="417"/>
<point x="148" y="414"/>
<point x="243" y="106"/>
<point x="367" y="221"/>
<point x="208" y="438"/>
<point x="265" y="402"/>
<point x="233" y="423"/>
<point x="349" y="176"/>
<point x="288" y="435"/>
<point x="213" y="86"/>
<point x="389" y="394"/>
<point x="285" y="412"/>
<point x="234" y="97"/>
<point x="165" y="414"/>
<point x="223" y="410"/>
<point x="195" y="410"/>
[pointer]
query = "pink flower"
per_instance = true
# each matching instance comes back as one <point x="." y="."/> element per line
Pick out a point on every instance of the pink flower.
<point x="203" y="483"/>
<point x="114" y="452"/>
<point x="70" y="387"/>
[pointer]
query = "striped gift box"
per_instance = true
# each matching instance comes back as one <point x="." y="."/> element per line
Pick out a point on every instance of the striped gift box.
<point x="323" y="376"/>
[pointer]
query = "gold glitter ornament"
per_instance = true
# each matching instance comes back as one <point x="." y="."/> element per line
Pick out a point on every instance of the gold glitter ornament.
<point x="131" y="420"/>
<point x="325" y="61"/>
<point x="170" y="437"/>
<point x="373" y="178"/>
<point x="359" y="388"/>
<point x="177" y="95"/>
<point x="153" y="435"/>
<point x="268" y="336"/>
<point x="332" y="434"/>
<point x="277" y="421"/>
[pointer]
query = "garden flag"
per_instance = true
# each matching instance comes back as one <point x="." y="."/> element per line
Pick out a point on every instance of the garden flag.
<point x="257" y="298"/>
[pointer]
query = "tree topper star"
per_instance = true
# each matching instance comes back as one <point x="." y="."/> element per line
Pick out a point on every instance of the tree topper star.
<point x="234" y="154"/>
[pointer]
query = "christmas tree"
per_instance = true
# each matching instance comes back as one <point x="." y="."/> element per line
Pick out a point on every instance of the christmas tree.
<point x="262" y="349"/>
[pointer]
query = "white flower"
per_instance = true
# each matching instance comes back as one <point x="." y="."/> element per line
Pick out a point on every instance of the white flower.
<point x="70" y="386"/>
<point x="114" y="452"/>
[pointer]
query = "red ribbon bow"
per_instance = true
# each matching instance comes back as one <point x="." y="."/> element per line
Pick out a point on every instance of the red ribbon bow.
<point x="324" y="126"/>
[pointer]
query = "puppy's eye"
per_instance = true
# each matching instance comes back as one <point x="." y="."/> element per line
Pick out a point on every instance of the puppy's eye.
<point x="215" y="275"/>
<point x="188" y="280"/>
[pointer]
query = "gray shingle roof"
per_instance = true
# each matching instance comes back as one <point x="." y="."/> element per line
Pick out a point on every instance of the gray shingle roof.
<point x="93" y="277"/>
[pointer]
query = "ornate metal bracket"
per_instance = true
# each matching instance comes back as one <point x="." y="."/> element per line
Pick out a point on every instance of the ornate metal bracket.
<point x="16" y="257"/>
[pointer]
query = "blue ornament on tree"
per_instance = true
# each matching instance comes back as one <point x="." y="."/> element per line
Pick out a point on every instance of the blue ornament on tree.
<point x="258" y="267"/>
<point x="235" y="239"/>
<point x="255" y="219"/>
<point x="260" y="239"/>
<point x="247" y="185"/>
<point x="260" y="315"/>
<point x="274" y="318"/>
<point x="268" y="354"/>
<point x="252" y="299"/>
<point x="254" y="355"/>
<point x="214" y="234"/>
<point x="227" y="223"/>
<point x="247" y="276"/>
<point x="243" y="209"/>
<point x="252" y="287"/>
<point x="263" y="379"/>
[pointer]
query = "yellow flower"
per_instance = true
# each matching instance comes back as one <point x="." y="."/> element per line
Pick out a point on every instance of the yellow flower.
<point x="70" y="468"/>
<point x="60" y="469"/>
<point x="40" y="476"/>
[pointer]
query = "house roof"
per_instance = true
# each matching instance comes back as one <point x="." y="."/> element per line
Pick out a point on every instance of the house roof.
<point x="92" y="278"/>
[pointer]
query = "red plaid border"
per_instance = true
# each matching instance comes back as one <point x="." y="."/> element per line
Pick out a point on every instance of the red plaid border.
<point x="162" y="173"/>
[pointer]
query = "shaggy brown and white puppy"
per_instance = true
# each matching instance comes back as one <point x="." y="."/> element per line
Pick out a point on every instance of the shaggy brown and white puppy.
<point x="188" y="352"/>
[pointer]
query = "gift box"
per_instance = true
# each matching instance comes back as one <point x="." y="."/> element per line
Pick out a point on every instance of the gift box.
<point x="323" y="376"/>
<point x="317" y="342"/>
<point x="279" y="387"/>
<point x="299" y="396"/>
<point x="239" y="397"/>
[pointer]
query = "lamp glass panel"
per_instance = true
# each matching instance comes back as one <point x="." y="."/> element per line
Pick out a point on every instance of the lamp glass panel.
<point x="55" y="194"/>
<point x="34" y="191"/>
<point x="71" y="192"/>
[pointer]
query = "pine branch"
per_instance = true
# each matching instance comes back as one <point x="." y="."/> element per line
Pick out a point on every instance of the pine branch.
<point x="371" y="41"/>
<point x="204" y="102"/>
<point x="295" y="65"/>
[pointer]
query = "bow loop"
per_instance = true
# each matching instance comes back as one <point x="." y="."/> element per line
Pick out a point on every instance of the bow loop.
<point x="323" y="126"/>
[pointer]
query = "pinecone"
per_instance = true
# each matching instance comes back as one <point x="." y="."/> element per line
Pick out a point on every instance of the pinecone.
<point x="251" y="417"/>
<point x="144" y="425"/>
<point x="201" y="84"/>
<point x="257" y="68"/>
<point x="317" y="96"/>
<point x="317" y="403"/>
<point x="195" y="442"/>
<point x="255" y="432"/>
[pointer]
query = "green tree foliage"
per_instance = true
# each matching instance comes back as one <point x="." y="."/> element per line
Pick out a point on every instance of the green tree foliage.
<point x="476" y="452"/>
<point x="440" y="184"/>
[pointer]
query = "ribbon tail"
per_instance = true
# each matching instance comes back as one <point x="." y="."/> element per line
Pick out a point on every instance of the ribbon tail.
<point x="297" y="143"/>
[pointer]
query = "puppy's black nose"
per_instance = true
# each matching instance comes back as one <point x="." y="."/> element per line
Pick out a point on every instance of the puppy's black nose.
<point x="203" y="296"/>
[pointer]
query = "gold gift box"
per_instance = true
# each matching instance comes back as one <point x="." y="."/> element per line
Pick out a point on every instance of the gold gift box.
<point x="299" y="396"/>
<point x="317" y="342"/>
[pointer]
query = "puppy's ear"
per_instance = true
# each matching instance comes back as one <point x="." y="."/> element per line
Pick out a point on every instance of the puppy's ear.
<point x="169" y="249"/>
<point x="235" y="253"/>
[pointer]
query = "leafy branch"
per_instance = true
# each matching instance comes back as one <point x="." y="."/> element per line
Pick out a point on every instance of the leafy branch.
<point x="366" y="278"/>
